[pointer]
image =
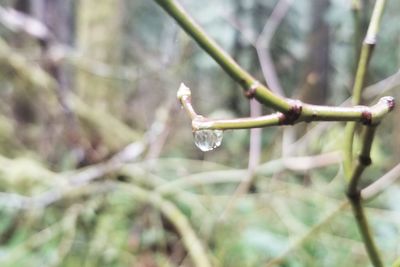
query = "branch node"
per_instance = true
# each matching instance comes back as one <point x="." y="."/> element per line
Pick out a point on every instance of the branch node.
<point x="251" y="92"/>
<point x="366" y="116"/>
<point x="293" y="114"/>
<point x="353" y="195"/>
<point x="365" y="160"/>
<point x="370" y="40"/>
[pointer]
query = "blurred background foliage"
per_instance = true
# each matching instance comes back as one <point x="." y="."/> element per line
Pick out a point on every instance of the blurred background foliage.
<point x="95" y="149"/>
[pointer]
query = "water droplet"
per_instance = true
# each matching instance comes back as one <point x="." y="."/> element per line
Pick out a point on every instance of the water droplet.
<point x="207" y="140"/>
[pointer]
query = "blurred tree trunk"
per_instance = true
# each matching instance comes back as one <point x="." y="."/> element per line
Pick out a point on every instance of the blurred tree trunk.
<point x="316" y="87"/>
<point x="98" y="38"/>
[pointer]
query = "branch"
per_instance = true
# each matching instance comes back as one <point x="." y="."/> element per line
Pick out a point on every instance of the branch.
<point x="365" y="231"/>
<point x="354" y="195"/>
<point x="300" y="113"/>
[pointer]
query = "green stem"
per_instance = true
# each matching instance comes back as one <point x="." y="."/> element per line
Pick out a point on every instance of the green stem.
<point x="356" y="7"/>
<point x="364" y="228"/>
<point x="348" y="148"/>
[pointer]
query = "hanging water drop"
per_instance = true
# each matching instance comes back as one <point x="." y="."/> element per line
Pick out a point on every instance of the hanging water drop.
<point x="207" y="140"/>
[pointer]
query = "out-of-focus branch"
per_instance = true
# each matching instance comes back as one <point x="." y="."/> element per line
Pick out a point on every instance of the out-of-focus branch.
<point x="172" y="213"/>
<point x="21" y="22"/>
<point x="383" y="86"/>
<point x="74" y="184"/>
<point x="263" y="43"/>
<point x="295" y="164"/>
<point x="309" y="234"/>
<point x="177" y="218"/>
<point x="381" y="183"/>
<point x="253" y="162"/>
<point x="79" y="183"/>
